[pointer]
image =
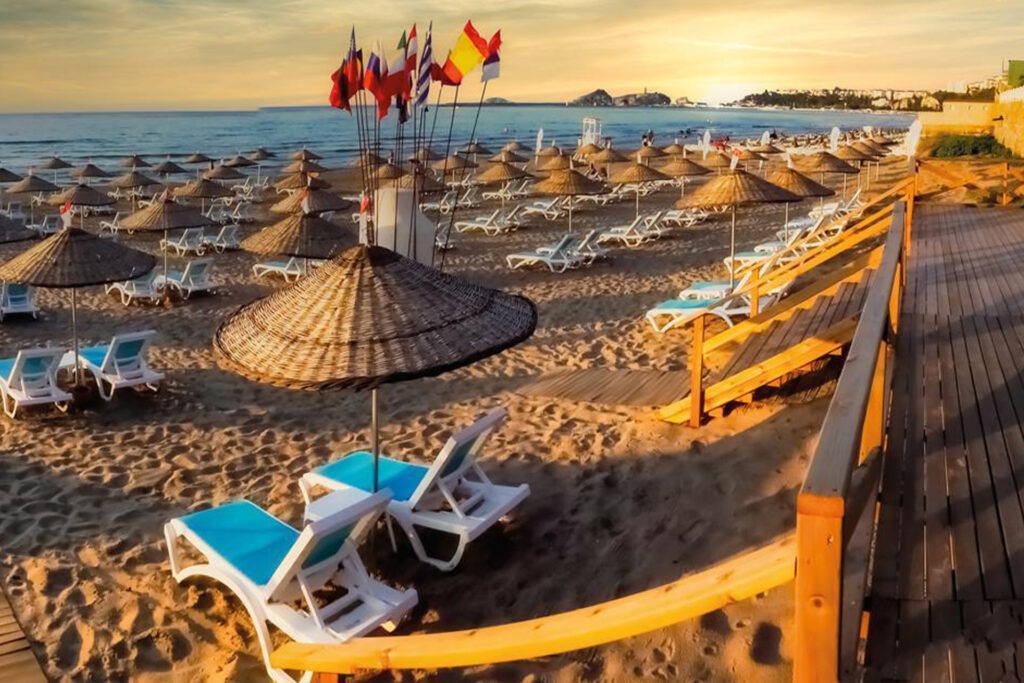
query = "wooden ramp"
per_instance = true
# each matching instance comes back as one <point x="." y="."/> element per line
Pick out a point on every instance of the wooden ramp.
<point x="612" y="387"/>
<point x="17" y="663"/>
<point x="947" y="593"/>
<point x="811" y="324"/>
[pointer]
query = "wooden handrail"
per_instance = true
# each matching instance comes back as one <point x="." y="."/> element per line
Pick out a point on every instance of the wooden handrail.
<point x="734" y="579"/>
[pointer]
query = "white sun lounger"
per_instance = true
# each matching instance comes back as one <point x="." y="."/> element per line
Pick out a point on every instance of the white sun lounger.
<point x="444" y="204"/>
<point x="195" y="278"/>
<point x="30" y="379"/>
<point x="712" y="290"/>
<point x="190" y="240"/>
<point x="632" y="235"/>
<point x="289" y="270"/>
<point x="558" y="258"/>
<point x="140" y="289"/>
<point x="478" y="223"/>
<point x="49" y="225"/>
<point x="119" y="364"/>
<point x="113" y="226"/>
<point x="15" y="212"/>
<point x="16" y="298"/>
<point x="586" y="250"/>
<point x="279" y="572"/>
<point x="550" y="209"/>
<point x="226" y="239"/>
<point x="452" y="495"/>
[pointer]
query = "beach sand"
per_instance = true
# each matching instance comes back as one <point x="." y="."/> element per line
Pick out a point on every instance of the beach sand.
<point x="620" y="501"/>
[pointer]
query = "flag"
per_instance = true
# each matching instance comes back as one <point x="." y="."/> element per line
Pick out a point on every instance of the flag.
<point x="64" y="209"/>
<point x="492" y="64"/>
<point x="373" y="81"/>
<point x="469" y="51"/>
<point x="346" y="81"/>
<point x="423" y="75"/>
<point x="438" y="74"/>
<point x="411" y="51"/>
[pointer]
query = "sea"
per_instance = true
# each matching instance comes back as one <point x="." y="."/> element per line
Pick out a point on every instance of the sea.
<point x="104" y="138"/>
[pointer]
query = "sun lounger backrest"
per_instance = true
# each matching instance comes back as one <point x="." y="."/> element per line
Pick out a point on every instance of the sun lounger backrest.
<point x="34" y="371"/>
<point x="459" y="453"/>
<point x="197" y="272"/>
<point x="14" y="293"/>
<point x="321" y="541"/>
<point x="127" y="352"/>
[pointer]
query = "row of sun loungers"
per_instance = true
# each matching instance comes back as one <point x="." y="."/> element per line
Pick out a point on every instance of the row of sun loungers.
<point x="194" y="278"/>
<point x="281" y="573"/>
<point x="30" y="378"/>
<point x="197" y="241"/>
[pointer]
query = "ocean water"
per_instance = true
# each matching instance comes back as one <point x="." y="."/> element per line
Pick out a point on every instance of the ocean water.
<point x="105" y="137"/>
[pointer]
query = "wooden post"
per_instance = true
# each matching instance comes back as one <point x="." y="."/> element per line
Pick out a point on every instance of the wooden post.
<point x="874" y="415"/>
<point x="326" y="678"/>
<point x="696" y="372"/>
<point x="819" y="534"/>
<point x="896" y="297"/>
<point x="755" y="298"/>
<point x="1006" y="183"/>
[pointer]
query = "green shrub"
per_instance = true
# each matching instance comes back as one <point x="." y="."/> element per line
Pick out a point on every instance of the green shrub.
<point x="950" y="146"/>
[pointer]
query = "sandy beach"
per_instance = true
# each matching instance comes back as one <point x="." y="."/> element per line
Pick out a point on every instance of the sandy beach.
<point x="620" y="501"/>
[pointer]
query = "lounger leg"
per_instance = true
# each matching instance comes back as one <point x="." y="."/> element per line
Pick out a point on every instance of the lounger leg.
<point x="391" y="533"/>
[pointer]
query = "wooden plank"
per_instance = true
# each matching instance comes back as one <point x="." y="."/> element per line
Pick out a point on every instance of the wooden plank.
<point x="737" y="578"/>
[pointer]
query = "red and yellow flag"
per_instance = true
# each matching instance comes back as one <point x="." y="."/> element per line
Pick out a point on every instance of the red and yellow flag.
<point x="469" y="52"/>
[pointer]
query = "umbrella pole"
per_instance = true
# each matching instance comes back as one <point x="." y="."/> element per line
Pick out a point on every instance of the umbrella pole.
<point x="785" y="226"/>
<point x="375" y="438"/>
<point x="844" y="186"/>
<point x="732" y="250"/>
<point x="74" y="330"/>
<point x="570" y="212"/>
<point x="638" y="199"/>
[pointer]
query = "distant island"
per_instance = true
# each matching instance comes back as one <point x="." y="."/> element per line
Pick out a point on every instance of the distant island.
<point x="602" y="98"/>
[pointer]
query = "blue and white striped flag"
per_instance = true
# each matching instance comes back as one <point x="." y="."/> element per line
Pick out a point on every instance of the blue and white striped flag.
<point x="423" y="75"/>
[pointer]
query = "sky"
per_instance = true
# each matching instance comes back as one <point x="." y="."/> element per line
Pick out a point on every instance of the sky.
<point x="104" y="55"/>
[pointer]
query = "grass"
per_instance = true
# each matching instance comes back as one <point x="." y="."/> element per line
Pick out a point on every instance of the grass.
<point x="953" y="146"/>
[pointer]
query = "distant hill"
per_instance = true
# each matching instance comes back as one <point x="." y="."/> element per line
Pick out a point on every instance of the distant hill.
<point x="601" y="98"/>
<point x="597" y="98"/>
<point x="497" y="100"/>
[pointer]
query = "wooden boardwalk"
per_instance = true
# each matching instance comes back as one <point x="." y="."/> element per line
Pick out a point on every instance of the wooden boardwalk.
<point x="612" y="387"/>
<point x="947" y="595"/>
<point x="17" y="663"/>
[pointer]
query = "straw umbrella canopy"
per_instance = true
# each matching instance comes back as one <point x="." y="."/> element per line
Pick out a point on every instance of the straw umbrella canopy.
<point x="261" y="154"/>
<point x="514" y="146"/>
<point x="300" y="235"/>
<point x="416" y="180"/>
<point x="370" y="317"/>
<point x="297" y="181"/>
<point x="649" y="152"/>
<point x="555" y="163"/>
<point x="501" y="172"/>
<point x="135" y="161"/>
<point x="133" y="179"/>
<point x="305" y="155"/>
<point x="8" y="176"/>
<point x="239" y="161"/>
<point x="424" y="155"/>
<point x="304" y="166"/>
<point x="168" y="167"/>
<point x="32" y="184"/>
<point x="716" y="161"/>
<point x="476" y="149"/>
<point x="90" y="170"/>
<point x="794" y="181"/>
<point x="587" y="149"/>
<point x="866" y="146"/>
<point x="317" y="202"/>
<point x="508" y="157"/>
<point x="568" y="183"/>
<point x="223" y="172"/>
<point x="851" y="153"/>
<point x="824" y="162"/>
<point x="13" y="231"/>
<point x="367" y="158"/>
<point x="675" y="149"/>
<point x="636" y="174"/>
<point x="552" y="151"/>
<point x="197" y="158"/>
<point x="54" y="164"/>
<point x="165" y="215"/>
<point x="607" y="156"/>
<point x="683" y="168"/>
<point x="453" y="163"/>
<point x="766" y="148"/>
<point x="388" y="171"/>
<point x="733" y="189"/>
<point x="202" y="190"/>
<point x="81" y="196"/>
<point x="75" y="258"/>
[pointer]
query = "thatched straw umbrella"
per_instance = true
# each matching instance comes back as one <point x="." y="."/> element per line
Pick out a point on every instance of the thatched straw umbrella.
<point x="80" y="196"/>
<point x="568" y="183"/>
<point x="261" y="154"/>
<point x="388" y="171"/>
<point x="554" y="163"/>
<point x="733" y="189"/>
<point x="13" y="231"/>
<point x="367" y="318"/>
<point x="503" y="173"/>
<point x="32" y="184"/>
<point x="367" y="158"/>
<point x="790" y="179"/>
<point x="239" y="161"/>
<point x="197" y="158"/>
<point x="317" y="202"/>
<point x="675" y="149"/>
<point x="683" y="168"/>
<point x="300" y="235"/>
<point x="635" y="174"/>
<point x="131" y="180"/>
<point x="417" y="180"/>
<point x="508" y="158"/>
<point x="747" y="155"/>
<point x="223" y="172"/>
<point x="586" y="150"/>
<point x="305" y="155"/>
<point x="824" y="162"/>
<point x="54" y="164"/>
<point x="135" y="161"/>
<point x="8" y="176"/>
<point x="74" y="258"/>
<point x="514" y="146"/>
<point x="425" y="155"/>
<point x="202" y="190"/>
<point x="648" y="152"/>
<point x="716" y="161"/>
<point x="453" y="163"/>
<point x="766" y="148"/>
<point x="304" y="166"/>
<point x="476" y="149"/>
<point x="164" y="215"/>
<point x="168" y="167"/>
<point x="90" y="170"/>
<point x="297" y="181"/>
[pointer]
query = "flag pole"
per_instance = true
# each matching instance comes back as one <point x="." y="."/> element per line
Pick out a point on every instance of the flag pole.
<point x="464" y="169"/>
<point x="444" y="175"/>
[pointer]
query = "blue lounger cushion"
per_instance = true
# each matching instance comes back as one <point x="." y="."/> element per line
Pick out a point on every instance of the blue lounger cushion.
<point x="682" y="304"/>
<point x="356" y="470"/>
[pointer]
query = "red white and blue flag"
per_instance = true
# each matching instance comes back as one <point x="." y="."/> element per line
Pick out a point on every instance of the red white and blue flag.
<point x="423" y="72"/>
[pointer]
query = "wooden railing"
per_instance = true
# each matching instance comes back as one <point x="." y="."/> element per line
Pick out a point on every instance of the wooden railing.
<point x="836" y="506"/>
<point x="783" y="269"/>
<point x="959" y="174"/>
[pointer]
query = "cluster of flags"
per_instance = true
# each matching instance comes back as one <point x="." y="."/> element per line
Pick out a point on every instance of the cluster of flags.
<point x="406" y="78"/>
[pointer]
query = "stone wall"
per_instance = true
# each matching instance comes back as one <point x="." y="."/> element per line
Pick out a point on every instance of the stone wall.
<point x="1009" y="124"/>
<point x="959" y="117"/>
